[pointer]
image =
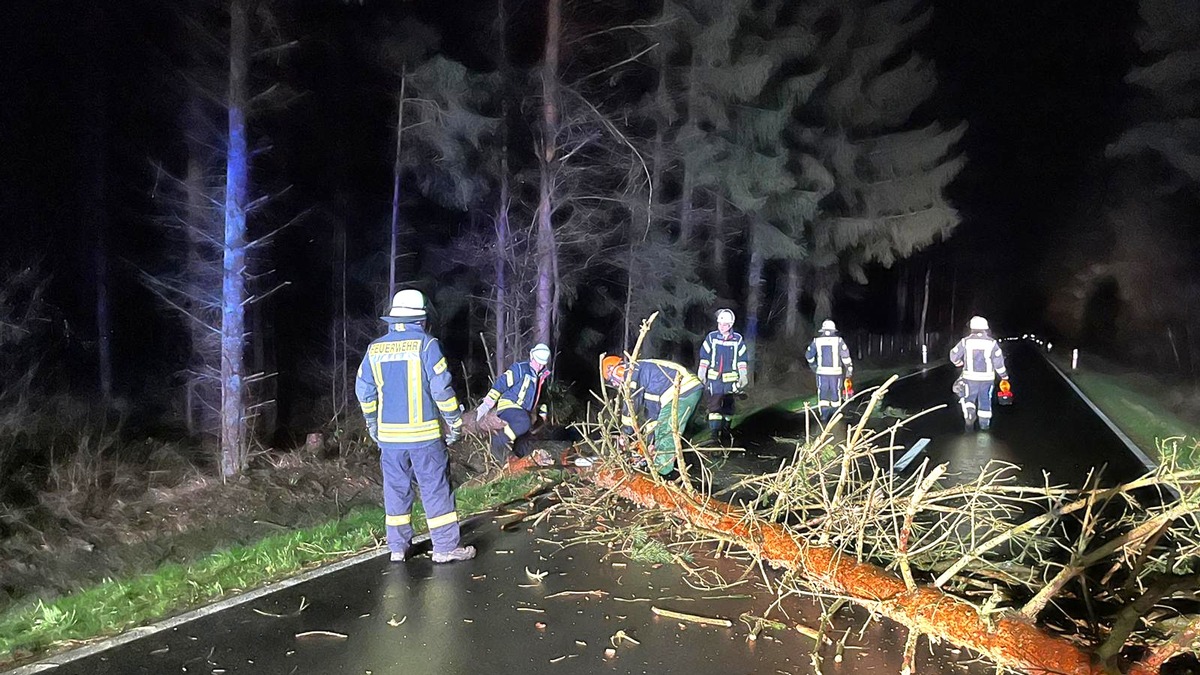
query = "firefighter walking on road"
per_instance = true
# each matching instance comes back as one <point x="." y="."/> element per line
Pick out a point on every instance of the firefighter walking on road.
<point x="664" y="394"/>
<point x="723" y="370"/>
<point x="515" y="396"/>
<point x="829" y="357"/>
<point x="404" y="390"/>
<point x="979" y="356"/>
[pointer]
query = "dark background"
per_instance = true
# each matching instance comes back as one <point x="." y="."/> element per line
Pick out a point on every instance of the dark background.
<point x="89" y="89"/>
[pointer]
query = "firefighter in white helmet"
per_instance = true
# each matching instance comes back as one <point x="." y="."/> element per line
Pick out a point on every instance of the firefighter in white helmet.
<point x="515" y="396"/>
<point x="979" y="356"/>
<point x="404" y="390"/>
<point x="829" y="358"/>
<point x="724" y="371"/>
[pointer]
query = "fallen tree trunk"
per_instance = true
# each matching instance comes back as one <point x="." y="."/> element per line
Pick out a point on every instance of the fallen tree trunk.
<point x="1011" y="642"/>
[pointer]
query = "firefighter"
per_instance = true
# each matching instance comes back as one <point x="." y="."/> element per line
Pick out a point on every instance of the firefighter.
<point x="829" y="357"/>
<point x="723" y="368"/>
<point x="979" y="356"/>
<point x="515" y="396"/>
<point x="664" y="394"/>
<point x="403" y="376"/>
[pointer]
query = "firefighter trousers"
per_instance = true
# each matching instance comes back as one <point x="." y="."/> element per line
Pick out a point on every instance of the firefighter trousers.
<point x="427" y="465"/>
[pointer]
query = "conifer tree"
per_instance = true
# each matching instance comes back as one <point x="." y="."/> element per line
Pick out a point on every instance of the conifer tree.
<point x="1169" y="122"/>
<point x="887" y="169"/>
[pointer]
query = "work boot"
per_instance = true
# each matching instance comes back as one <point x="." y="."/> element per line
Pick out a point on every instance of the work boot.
<point x="456" y="555"/>
<point x="401" y="555"/>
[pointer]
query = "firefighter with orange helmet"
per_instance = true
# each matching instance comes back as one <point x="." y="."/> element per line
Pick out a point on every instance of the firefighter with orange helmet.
<point x="664" y="394"/>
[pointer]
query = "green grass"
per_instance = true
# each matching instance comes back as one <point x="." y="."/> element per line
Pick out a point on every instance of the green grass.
<point x="118" y="605"/>
<point x="1144" y="419"/>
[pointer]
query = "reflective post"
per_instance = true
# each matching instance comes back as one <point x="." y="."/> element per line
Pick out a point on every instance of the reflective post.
<point x="924" y="354"/>
<point x="806" y="422"/>
<point x="1074" y="358"/>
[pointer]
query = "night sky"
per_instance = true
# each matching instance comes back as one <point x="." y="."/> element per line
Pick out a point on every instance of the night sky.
<point x="1038" y="81"/>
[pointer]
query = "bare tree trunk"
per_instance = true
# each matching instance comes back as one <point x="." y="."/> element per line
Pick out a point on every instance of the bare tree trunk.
<point x="953" y="298"/>
<point x="339" y="369"/>
<point x="194" y="184"/>
<point x="901" y="296"/>
<point x="685" y="196"/>
<point x="502" y="244"/>
<point x="233" y="281"/>
<point x="396" y="184"/>
<point x="925" y="304"/>
<point x="754" y="280"/>
<point x="792" y="316"/>
<point x="718" y="245"/>
<point x="546" y="264"/>
<point x="103" y="316"/>
<point x="502" y="224"/>
<point x="96" y="213"/>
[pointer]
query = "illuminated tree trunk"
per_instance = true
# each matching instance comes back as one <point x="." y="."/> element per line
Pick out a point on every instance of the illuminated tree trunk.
<point x="925" y="304"/>
<point x="754" y="280"/>
<point x="233" y="281"/>
<point x="546" y="253"/>
<point x="792" y="315"/>
<point x="502" y="227"/>
<point x="396" y="168"/>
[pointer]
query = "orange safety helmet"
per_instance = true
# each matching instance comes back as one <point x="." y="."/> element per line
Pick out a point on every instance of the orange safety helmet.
<point x="613" y="368"/>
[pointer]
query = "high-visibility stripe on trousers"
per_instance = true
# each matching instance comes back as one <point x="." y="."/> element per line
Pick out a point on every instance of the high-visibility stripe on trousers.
<point x="428" y="465"/>
<point x="720" y="410"/>
<point x="829" y="394"/>
<point x="516" y="424"/>
<point x="978" y="401"/>
<point x="673" y="416"/>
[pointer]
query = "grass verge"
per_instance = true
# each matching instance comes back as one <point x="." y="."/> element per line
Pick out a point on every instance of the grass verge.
<point x="115" y="606"/>
<point x="1143" y="418"/>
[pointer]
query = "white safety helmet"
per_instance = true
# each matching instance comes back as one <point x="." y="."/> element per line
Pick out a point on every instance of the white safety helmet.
<point x="725" y="316"/>
<point x="978" y="323"/>
<point x="540" y="353"/>
<point x="828" y="324"/>
<point x="407" y="305"/>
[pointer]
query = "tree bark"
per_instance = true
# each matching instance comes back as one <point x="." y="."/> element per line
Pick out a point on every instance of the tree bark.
<point x="233" y="281"/>
<point x="1009" y="642"/>
<point x="720" y="278"/>
<point x="753" y="297"/>
<point x="792" y="316"/>
<point x="502" y="225"/>
<point x="199" y="276"/>
<point x="96" y="209"/>
<point x="546" y="252"/>
<point x="925" y="305"/>
<point x="685" y="196"/>
<point x="396" y="168"/>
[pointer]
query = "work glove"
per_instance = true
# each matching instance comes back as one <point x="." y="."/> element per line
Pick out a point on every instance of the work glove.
<point x="452" y="436"/>
<point x="703" y="374"/>
<point x="373" y="428"/>
<point x="743" y="381"/>
<point x="484" y="408"/>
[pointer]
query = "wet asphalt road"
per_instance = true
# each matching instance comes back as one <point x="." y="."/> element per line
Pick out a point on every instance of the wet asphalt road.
<point x="483" y="616"/>
<point x="1047" y="428"/>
